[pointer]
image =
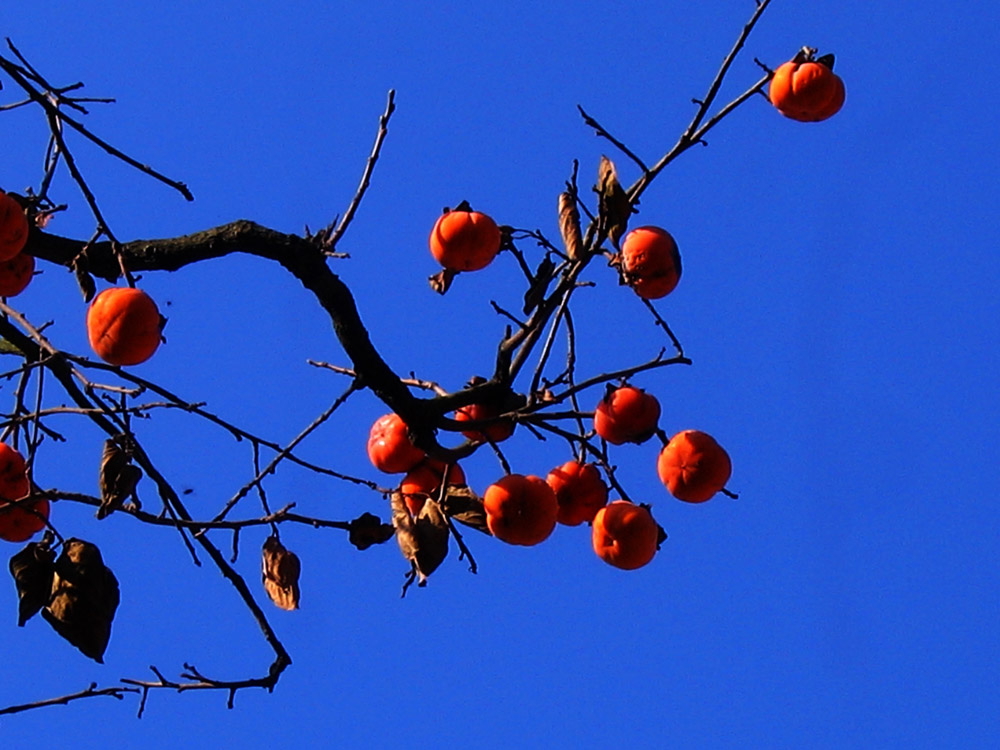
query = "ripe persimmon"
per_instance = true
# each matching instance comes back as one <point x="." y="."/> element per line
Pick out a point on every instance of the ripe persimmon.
<point x="693" y="466"/>
<point x="16" y="274"/>
<point x="124" y="326"/>
<point x="424" y="480"/>
<point x="520" y="509"/>
<point x="13" y="227"/>
<point x="626" y="415"/>
<point x="389" y="446"/>
<point x="625" y="535"/>
<point x="651" y="262"/>
<point x="18" y="523"/>
<point x="580" y="492"/>
<point x="496" y="432"/>
<point x="463" y="240"/>
<point x="806" y="89"/>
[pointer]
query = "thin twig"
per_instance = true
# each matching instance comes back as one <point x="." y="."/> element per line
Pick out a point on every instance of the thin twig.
<point x="116" y="691"/>
<point x="383" y="128"/>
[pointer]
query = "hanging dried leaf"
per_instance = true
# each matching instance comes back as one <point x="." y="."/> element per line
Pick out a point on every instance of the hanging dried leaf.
<point x="32" y="569"/>
<point x="83" y="278"/>
<point x="281" y="570"/>
<point x="615" y="208"/>
<point x="441" y="281"/>
<point x="463" y="505"/>
<point x="539" y="284"/>
<point x="423" y="540"/>
<point x="84" y="598"/>
<point x="368" y="529"/>
<point x="118" y="477"/>
<point x="569" y="225"/>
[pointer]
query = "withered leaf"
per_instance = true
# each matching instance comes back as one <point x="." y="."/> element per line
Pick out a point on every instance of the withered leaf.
<point x="615" y="208"/>
<point x="422" y="540"/>
<point x="118" y="477"/>
<point x="569" y="225"/>
<point x="539" y="284"/>
<point x="83" y="278"/>
<point x="368" y="529"/>
<point x="32" y="569"/>
<point x="84" y="598"/>
<point x="281" y="570"/>
<point x="463" y="505"/>
<point x="441" y="281"/>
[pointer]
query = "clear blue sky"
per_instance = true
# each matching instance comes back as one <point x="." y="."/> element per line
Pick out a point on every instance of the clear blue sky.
<point x="839" y="301"/>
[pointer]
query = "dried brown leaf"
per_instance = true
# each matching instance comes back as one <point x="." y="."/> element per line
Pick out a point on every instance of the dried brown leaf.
<point x="83" y="278"/>
<point x="281" y="570"/>
<point x="569" y="225"/>
<point x="615" y="208"/>
<point x="84" y="598"/>
<point x="118" y="477"/>
<point x="368" y="529"/>
<point x="539" y="285"/>
<point x="32" y="569"/>
<point x="441" y="281"/>
<point x="463" y="505"/>
<point x="422" y="540"/>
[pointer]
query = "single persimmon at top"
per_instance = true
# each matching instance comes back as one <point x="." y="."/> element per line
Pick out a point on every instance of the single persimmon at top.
<point x="465" y="240"/>
<point x="807" y="90"/>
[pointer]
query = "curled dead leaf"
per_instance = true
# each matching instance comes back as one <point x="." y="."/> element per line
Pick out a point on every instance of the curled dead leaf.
<point x="539" y="284"/>
<point x="461" y="504"/>
<point x="569" y="225"/>
<point x="118" y="476"/>
<point x="441" y="281"/>
<point x="614" y="206"/>
<point x="83" y="278"/>
<point x="422" y="540"/>
<point x="84" y="598"/>
<point x="280" y="574"/>
<point x="32" y="569"/>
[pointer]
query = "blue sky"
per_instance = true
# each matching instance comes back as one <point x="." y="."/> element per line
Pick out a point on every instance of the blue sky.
<point x="838" y="301"/>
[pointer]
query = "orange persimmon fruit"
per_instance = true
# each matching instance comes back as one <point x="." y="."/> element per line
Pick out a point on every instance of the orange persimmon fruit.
<point x="625" y="535"/>
<point x="124" y="326"/>
<point x="13" y="227"/>
<point x="693" y="466"/>
<point x="651" y="262"/>
<point x="520" y="509"/>
<point x="580" y="492"/>
<point x="424" y="480"/>
<point x="806" y="89"/>
<point x="626" y="415"/>
<point x="496" y="432"/>
<point x="16" y="274"/>
<point x="18" y="523"/>
<point x="389" y="446"/>
<point x="465" y="240"/>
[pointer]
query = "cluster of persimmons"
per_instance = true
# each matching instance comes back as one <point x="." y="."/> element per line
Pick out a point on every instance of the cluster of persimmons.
<point x="124" y="328"/>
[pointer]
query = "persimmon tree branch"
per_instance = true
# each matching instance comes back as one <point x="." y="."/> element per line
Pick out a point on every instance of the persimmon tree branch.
<point x="115" y="691"/>
<point x="108" y="395"/>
